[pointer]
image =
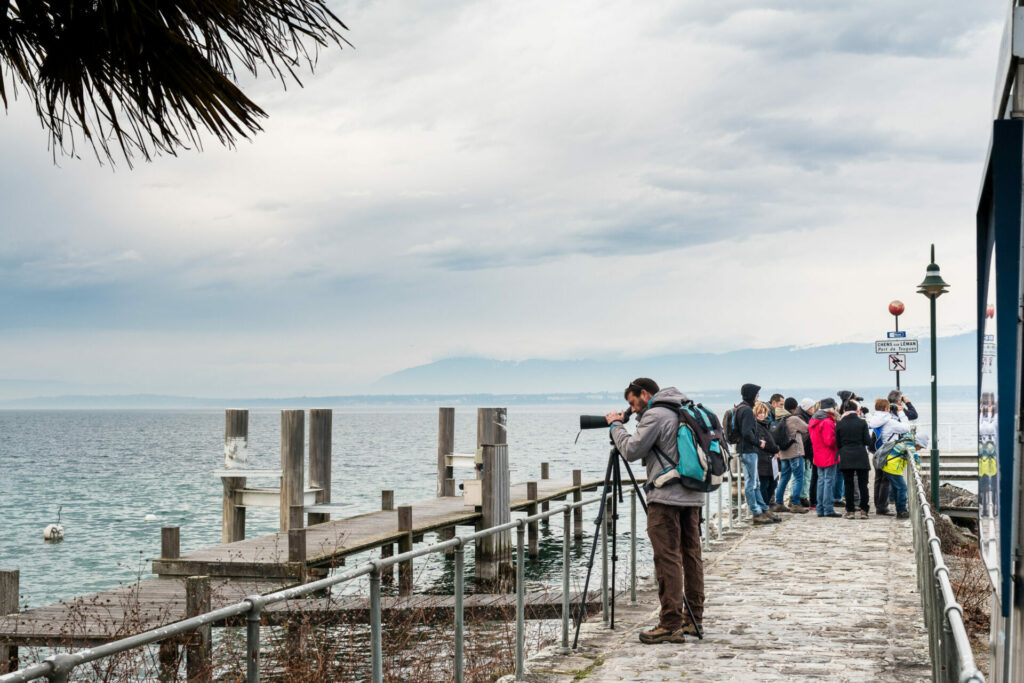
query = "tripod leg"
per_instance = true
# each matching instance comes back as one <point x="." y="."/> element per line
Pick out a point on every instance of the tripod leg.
<point x="616" y="499"/>
<point x="593" y="551"/>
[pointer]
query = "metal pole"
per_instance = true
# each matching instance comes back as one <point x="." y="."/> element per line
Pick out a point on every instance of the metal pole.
<point x="566" y="524"/>
<point x="721" y="520"/>
<point x="252" y="645"/>
<point x="632" y="547"/>
<point x="707" y="521"/>
<point x="739" y="490"/>
<point x="934" y="474"/>
<point x="460" y="559"/>
<point x="897" y="372"/>
<point x="604" y="566"/>
<point x="728" y="474"/>
<point x="520" y="602"/>
<point x="376" y="654"/>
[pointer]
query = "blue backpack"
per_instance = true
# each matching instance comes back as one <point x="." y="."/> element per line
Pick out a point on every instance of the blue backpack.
<point x="701" y="447"/>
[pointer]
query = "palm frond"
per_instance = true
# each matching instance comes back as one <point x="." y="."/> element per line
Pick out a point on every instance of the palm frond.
<point x="140" y="77"/>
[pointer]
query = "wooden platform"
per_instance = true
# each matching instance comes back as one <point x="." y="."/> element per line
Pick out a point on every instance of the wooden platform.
<point x="328" y="543"/>
<point x="151" y="603"/>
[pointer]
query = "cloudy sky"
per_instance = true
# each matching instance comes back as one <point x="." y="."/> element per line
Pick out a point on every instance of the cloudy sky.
<point x="514" y="180"/>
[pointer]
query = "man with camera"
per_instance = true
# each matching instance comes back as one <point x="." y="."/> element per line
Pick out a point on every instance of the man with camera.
<point x="673" y="512"/>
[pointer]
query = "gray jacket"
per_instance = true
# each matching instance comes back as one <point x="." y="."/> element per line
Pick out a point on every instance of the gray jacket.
<point x="657" y="426"/>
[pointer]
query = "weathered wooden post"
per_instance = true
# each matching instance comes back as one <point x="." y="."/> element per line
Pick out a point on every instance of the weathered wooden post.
<point x="494" y="552"/>
<point x="320" y="425"/>
<point x="532" y="528"/>
<point x="170" y="543"/>
<point x="387" y="502"/>
<point x="292" y="445"/>
<point x="404" y="546"/>
<point x="236" y="447"/>
<point x="445" y="472"/>
<point x="198" y="651"/>
<point x="9" y="586"/>
<point x="491" y="426"/>
<point x="544" y="474"/>
<point x="577" y="496"/>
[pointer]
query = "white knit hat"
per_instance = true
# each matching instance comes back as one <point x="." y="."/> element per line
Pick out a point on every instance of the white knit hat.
<point x="806" y="404"/>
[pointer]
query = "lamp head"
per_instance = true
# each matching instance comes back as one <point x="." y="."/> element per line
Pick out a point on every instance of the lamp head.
<point x="933" y="284"/>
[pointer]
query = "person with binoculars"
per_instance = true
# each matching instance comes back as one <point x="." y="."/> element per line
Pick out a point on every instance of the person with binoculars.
<point x="673" y="512"/>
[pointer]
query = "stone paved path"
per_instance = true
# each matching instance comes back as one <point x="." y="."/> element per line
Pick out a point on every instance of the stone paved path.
<point x="807" y="599"/>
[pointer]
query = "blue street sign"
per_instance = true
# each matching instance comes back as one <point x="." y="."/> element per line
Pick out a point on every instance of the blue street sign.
<point x="896" y="335"/>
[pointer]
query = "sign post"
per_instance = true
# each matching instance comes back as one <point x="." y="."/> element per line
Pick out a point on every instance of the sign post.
<point x="896" y="308"/>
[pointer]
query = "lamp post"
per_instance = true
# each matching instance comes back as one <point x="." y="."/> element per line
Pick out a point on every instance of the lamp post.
<point x="933" y="287"/>
<point x="896" y="309"/>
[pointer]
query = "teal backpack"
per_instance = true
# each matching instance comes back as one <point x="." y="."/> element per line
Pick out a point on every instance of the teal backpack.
<point x="703" y="453"/>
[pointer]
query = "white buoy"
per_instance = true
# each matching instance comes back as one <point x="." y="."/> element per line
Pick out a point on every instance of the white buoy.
<point x="54" y="532"/>
<point x="150" y="517"/>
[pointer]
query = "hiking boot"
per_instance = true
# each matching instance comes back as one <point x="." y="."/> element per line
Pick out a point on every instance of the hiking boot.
<point x="762" y="518"/>
<point x="903" y="515"/>
<point x="798" y="509"/>
<point x="885" y="513"/>
<point x="778" y="507"/>
<point x="690" y="630"/>
<point x="806" y="502"/>
<point x="863" y="514"/>
<point x="772" y="516"/>
<point x="662" y="635"/>
<point x="833" y="514"/>
<point x="850" y="515"/>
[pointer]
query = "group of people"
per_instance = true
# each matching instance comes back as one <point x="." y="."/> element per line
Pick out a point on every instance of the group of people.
<point x="819" y="454"/>
<point x="787" y="448"/>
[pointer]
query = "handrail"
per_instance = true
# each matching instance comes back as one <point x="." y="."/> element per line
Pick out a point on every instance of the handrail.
<point x="56" y="668"/>
<point x="948" y="644"/>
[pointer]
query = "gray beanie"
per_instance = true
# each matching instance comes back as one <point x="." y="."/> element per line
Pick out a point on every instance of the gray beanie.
<point x="806" y="404"/>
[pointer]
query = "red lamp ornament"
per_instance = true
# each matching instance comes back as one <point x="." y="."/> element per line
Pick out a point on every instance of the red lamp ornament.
<point x="896" y="307"/>
<point x="990" y="312"/>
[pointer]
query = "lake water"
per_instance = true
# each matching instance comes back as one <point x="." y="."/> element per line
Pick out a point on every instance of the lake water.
<point x="109" y="469"/>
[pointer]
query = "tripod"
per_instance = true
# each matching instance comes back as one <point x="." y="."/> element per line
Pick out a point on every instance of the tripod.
<point x="613" y="483"/>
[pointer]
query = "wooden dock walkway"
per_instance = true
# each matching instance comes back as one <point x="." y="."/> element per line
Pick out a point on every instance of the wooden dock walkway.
<point x="327" y="544"/>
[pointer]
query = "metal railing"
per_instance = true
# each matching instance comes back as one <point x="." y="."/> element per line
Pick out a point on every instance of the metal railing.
<point x="948" y="645"/>
<point x="58" y="667"/>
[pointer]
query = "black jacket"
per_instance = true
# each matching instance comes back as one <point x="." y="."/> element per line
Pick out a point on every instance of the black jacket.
<point x="853" y="439"/>
<point x="808" y="446"/>
<point x="746" y="423"/>
<point x="908" y="408"/>
<point x="764" y="455"/>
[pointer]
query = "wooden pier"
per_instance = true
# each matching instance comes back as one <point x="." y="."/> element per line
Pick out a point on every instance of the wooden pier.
<point x="310" y="543"/>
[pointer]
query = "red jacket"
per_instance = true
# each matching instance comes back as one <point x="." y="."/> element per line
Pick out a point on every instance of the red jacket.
<point x="823" y="439"/>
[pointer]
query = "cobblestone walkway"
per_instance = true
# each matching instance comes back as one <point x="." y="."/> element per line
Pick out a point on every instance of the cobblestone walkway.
<point x="807" y="599"/>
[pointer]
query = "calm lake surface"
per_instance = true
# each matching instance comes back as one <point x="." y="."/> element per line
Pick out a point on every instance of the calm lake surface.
<point x="111" y="468"/>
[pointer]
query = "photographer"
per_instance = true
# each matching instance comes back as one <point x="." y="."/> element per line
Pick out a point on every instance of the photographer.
<point x="673" y="512"/>
<point x="898" y="403"/>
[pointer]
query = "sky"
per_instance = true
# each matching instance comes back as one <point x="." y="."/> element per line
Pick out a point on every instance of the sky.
<point x="518" y="180"/>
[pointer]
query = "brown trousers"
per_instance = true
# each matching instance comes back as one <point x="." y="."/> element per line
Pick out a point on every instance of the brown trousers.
<point x="675" y="538"/>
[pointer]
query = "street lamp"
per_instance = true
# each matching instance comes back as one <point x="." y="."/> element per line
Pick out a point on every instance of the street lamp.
<point x="933" y="287"/>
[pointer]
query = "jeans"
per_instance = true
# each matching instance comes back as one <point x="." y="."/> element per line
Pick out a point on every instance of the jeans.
<point x="792" y="468"/>
<point x="838" y="488"/>
<point x="898" y="488"/>
<point x="751" y="484"/>
<point x="808" y="469"/>
<point x="826" y="482"/>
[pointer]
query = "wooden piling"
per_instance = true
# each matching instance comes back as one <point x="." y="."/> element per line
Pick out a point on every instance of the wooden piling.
<point x="9" y="586"/>
<point x="491" y="426"/>
<point x="532" y="528"/>
<point x="297" y="545"/>
<point x="295" y="517"/>
<point x="494" y="552"/>
<point x="236" y="436"/>
<point x="292" y="465"/>
<point x="544" y="474"/>
<point x="387" y="502"/>
<point x="404" y="546"/>
<point x="445" y="447"/>
<point x="320" y="425"/>
<point x="577" y="496"/>
<point x="198" y="651"/>
<point x="170" y="543"/>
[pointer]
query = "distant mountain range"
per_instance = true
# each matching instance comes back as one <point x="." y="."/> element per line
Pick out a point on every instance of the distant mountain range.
<point x="715" y="378"/>
<point x="837" y="365"/>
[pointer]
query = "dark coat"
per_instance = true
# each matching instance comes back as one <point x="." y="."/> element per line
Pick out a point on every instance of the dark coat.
<point x="853" y="438"/>
<point x="808" y="446"/>
<point x="764" y="455"/>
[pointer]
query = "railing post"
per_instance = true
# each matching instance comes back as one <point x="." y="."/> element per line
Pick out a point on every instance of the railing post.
<point x="236" y="445"/>
<point x="566" y="535"/>
<point x="707" y="522"/>
<point x="321" y="424"/>
<point x="293" y="442"/>
<point x="404" y="546"/>
<point x="10" y="581"/>
<point x="739" y="490"/>
<point x="721" y="519"/>
<point x="728" y="475"/>
<point x="534" y="527"/>
<point x="198" y="653"/>
<point x="387" y="502"/>
<point x="252" y="642"/>
<point x="376" y="647"/>
<point x="520" y="602"/>
<point x="460" y="588"/>
<point x="632" y="547"/>
<point x="577" y="496"/>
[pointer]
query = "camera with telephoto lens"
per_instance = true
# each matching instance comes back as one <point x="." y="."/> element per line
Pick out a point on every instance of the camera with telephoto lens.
<point x="599" y="421"/>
